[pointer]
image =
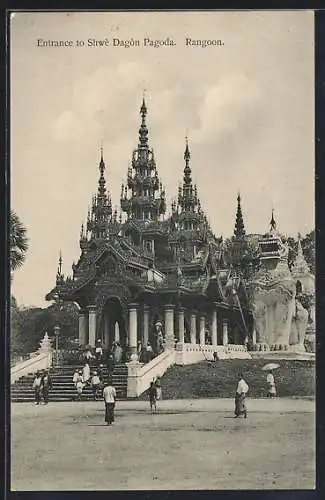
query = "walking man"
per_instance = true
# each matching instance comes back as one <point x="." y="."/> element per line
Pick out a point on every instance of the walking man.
<point x="47" y="386"/>
<point x="153" y="397"/>
<point x="37" y="386"/>
<point x="109" y="394"/>
<point x="240" y="398"/>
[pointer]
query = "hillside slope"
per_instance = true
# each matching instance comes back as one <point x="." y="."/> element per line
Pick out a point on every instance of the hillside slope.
<point x="208" y="379"/>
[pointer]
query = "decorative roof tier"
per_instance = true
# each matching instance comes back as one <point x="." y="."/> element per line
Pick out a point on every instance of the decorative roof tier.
<point x="143" y="197"/>
<point x="300" y="266"/>
<point x="239" y="230"/>
<point x="189" y="225"/>
<point x="100" y="213"/>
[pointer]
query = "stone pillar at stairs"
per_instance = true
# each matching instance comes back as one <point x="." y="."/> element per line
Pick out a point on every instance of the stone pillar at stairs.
<point x="214" y="331"/>
<point x="145" y="325"/>
<point x="202" y="330"/>
<point x="133" y="331"/>
<point x="83" y="327"/>
<point x="193" y="328"/>
<point x="225" y="332"/>
<point x="92" y="325"/>
<point x="169" y="326"/>
<point x="181" y="329"/>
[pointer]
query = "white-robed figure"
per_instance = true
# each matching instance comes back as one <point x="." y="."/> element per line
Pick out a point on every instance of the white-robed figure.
<point x="240" y="398"/>
<point x="75" y="377"/>
<point x="271" y="389"/>
<point x="86" y="373"/>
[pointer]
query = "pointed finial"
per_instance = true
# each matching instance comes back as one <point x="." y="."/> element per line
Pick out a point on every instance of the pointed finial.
<point x="143" y="131"/>
<point x="60" y="264"/>
<point x="239" y="231"/>
<point x="143" y="109"/>
<point x="272" y="221"/>
<point x="187" y="154"/>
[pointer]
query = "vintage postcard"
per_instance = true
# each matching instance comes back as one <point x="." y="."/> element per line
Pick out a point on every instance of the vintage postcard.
<point x="162" y="246"/>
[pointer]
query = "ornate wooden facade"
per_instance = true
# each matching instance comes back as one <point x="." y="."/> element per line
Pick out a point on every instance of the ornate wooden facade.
<point x="141" y="268"/>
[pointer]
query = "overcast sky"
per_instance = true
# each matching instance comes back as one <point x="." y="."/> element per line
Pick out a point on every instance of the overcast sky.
<point x="247" y="106"/>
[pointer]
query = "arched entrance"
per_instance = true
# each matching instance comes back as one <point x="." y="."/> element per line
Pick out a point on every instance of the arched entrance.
<point x="112" y="323"/>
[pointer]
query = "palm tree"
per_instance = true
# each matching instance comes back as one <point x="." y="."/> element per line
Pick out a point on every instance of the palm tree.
<point x="18" y="241"/>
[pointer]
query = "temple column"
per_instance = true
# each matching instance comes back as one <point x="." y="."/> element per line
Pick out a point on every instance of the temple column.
<point x="181" y="330"/>
<point x="225" y="332"/>
<point x="254" y="335"/>
<point x="92" y="325"/>
<point x="169" y="326"/>
<point x="83" y="327"/>
<point x="202" y="330"/>
<point x="106" y="329"/>
<point x="214" y="333"/>
<point x="133" y="331"/>
<point x="145" y="325"/>
<point x="193" y="328"/>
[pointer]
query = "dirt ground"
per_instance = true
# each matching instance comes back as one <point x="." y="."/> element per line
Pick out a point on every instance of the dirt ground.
<point x="188" y="444"/>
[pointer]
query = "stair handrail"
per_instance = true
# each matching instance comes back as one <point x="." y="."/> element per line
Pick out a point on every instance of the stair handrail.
<point x="38" y="360"/>
<point x="41" y="361"/>
<point x="140" y="375"/>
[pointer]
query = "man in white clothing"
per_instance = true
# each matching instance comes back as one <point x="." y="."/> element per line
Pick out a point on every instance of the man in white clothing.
<point x="109" y="394"/>
<point x="240" y="397"/>
<point x="271" y="389"/>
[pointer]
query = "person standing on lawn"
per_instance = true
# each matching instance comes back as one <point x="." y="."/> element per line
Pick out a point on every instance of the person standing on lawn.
<point x="240" y="398"/>
<point x="271" y="389"/>
<point x="158" y="387"/>
<point x="153" y="397"/>
<point x="109" y="394"/>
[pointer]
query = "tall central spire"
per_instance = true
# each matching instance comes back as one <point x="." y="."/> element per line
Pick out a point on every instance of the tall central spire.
<point x="143" y="197"/>
<point x="239" y="230"/>
<point x="272" y="223"/>
<point x="143" y="130"/>
<point x="187" y="169"/>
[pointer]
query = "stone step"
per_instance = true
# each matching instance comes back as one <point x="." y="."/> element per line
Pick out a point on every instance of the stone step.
<point x="58" y="399"/>
<point x="63" y="388"/>
<point x="68" y="378"/>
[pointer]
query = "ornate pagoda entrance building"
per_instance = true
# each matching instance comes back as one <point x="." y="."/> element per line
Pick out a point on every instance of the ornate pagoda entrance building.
<point x="143" y="275"/>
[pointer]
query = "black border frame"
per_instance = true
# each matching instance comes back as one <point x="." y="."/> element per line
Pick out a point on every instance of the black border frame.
<point x="38" y="5"/>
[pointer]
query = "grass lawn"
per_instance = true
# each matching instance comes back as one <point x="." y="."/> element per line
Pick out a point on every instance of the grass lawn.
<point x="210" y="380"/>
<point x="188" y="444"/>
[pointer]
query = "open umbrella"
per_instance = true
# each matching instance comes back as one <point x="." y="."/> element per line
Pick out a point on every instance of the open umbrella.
<point x="270" y="366"/>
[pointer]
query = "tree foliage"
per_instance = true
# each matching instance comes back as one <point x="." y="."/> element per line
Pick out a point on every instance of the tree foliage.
<point x="28" y="326"/>
<point x="18" y="241"/>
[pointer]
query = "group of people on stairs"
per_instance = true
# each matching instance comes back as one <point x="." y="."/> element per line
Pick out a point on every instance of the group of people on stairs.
<point x="42" y="384"/>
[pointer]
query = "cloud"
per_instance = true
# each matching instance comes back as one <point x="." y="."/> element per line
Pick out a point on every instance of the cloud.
<point x="226" y="106"/>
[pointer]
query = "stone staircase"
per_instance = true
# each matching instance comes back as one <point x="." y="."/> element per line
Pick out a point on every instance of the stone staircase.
<point x="63" y="387"/>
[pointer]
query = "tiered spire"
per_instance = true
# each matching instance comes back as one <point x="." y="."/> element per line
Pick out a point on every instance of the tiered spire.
<point x="101" y="209"/>
<point x="272" y="223"/>
<point x="143" y="198"/>
<point x="239" y="230"/>
<point x="188" y="200"/>
<point x="300" y="266"/>
<point x="143" y="131"/>
<point x="187" y="218"/>
<point x="59" y="274"/>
